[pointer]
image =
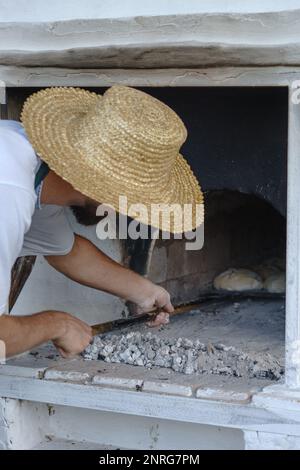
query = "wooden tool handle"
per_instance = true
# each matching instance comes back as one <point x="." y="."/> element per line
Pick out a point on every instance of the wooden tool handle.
<point x="101" y="328"/>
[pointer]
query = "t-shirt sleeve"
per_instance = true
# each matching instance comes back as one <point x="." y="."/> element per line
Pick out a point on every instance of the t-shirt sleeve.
<point x="50" y="233"/>
<point x="16" y="208"/>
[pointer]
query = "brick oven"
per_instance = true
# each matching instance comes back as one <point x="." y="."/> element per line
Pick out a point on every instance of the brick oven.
<point x="233" y="77"/>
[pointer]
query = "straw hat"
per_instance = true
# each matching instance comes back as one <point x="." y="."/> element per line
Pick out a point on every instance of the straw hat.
<point x="122" y="143"/>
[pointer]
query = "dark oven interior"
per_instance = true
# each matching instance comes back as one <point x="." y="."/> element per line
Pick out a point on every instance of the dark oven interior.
<point x="237" y="147"/>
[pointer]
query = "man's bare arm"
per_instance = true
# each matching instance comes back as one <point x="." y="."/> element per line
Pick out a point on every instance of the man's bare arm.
<point x="22" y="333"/>
<point x="88" y="265"/>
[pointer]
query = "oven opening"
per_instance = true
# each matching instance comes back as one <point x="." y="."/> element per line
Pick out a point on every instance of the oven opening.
<point x="235" y="285"/>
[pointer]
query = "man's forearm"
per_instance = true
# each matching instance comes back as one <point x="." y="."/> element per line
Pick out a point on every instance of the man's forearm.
<point x="20" y="334"/>
<point x="88" y="265"/>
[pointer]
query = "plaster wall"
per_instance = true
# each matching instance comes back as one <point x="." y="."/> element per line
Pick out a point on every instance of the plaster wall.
<point x="148" y="34"/>
<point x="37" y="10"/>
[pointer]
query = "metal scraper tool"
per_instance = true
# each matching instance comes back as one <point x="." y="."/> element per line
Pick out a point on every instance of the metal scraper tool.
<point x="144" y="317"/>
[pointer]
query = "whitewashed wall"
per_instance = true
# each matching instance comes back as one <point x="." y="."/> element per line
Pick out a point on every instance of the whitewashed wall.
<point x="148" y="33"/>
<point x="43" y="10"/>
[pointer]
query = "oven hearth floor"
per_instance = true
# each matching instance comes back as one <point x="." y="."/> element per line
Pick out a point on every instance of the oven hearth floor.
<point x="242" y="339"/>
<point x="252" y="325"/>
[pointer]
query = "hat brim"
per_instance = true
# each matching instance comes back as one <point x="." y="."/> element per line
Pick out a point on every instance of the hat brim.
<point x="48" y="117"/>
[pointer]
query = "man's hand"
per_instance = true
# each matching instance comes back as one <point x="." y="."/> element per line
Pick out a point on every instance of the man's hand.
<point x="22" y="333"/>
<point x="87" y="265"/>
<point x="159" y="299"/>
<point x="74" y="337"/>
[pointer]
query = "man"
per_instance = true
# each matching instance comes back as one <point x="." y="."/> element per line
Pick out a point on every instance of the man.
<point x="96" y="148"/>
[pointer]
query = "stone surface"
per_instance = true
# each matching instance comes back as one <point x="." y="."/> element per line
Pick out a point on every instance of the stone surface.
<point x="120" y="382"/>
<point x="168" y="388"/>
<point x="223" y="395"/>
<point x="72" y="376"/>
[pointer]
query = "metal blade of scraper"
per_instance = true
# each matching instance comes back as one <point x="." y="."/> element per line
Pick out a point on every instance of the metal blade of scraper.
<point x="144" y="317"/>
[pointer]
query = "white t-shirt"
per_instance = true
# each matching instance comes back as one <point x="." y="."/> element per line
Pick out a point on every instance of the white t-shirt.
<point x="24" y="230"/>
<point x="18" y="163"/>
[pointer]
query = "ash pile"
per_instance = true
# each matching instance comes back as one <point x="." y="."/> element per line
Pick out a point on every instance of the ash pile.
<point x="182" y="355"/>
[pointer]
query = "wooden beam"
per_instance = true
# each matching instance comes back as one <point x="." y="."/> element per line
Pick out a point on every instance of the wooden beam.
<point x="20" y="273"/>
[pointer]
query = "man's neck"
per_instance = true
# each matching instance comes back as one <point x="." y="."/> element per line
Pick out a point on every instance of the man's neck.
<point x="57" y="191"/>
